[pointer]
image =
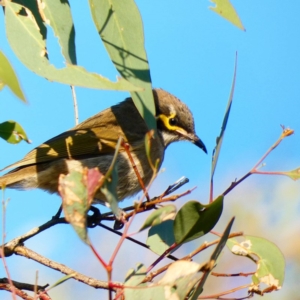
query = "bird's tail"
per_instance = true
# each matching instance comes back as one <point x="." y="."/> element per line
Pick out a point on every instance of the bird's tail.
<point x="16" y="178"/>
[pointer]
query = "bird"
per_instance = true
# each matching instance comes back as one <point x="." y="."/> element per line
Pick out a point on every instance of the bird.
<point x="92" y="144"/>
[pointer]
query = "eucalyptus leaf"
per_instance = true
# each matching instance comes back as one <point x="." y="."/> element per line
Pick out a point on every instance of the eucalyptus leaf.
<point x="77" y="190"/>
<point x="120" y="27"/>
<point x="270" y="264"/>
<point x="194" y="219"/>
<point x="8" y="77"/>
<point x="30" y="47"/>
<point x="159" y="215"/>
<point x="135" y="277"/>
<point x="161" y="237"/>
<point x="226" y="10"/>
<point x="57" y="14"/>
<point x="13" y="132"/>
<point x="219" y="141"/>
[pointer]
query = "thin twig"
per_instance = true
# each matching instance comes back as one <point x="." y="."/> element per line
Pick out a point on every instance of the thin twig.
<point x="75" y="104"/>
<point x="232" y="275"/>
<point x="285" y="133"/>
<point x="20" y="293"/>
<point x="19" y="240"/>
<point x="28" y="253"/>
<point x="218" y="296"/>
<point x="189" y="256"/>
<point x="12" y="287"/>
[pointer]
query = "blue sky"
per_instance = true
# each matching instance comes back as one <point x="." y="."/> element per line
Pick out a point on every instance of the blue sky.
<point x="191" y="53"/>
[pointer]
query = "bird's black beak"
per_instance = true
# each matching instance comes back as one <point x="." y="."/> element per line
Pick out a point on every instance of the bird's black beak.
<point x="193" y="138"/>
<point x="197" y="141"/>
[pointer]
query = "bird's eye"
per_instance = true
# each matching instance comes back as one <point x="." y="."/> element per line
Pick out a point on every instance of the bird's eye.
<point x="172" y="121"/>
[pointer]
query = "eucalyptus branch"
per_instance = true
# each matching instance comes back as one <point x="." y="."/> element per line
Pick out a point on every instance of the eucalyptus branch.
<point x="188" y="257"/>
<point x="20" y="293"/>
<point x="146" y="205"/>
<point x="11" y="285"/>
<point x="232" y="275"/>
<point x="24" y="286"/>
<point x="9" y="246"/>
<point x="285" y="133"/>
<point x="218" y="296"/>
<point x="28" y="253"/>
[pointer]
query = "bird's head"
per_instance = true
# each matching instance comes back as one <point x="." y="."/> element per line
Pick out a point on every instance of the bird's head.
<point x="174" y="120"/>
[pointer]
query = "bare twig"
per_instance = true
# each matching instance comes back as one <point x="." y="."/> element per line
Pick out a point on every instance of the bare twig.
<point x="232" y="275"/>
<point x="75" y="104"/>
<point x="145" y="206"/>
<point x="24" y="286"/>
<point x="28" y="253"/>
<point x="285" y="133"/>
<point x="9" y="247"/>
<point x="218" y="296"/>
<point x="20" y="293"/>
<point x="189" y="256"/>
<point x="11" y="285"/>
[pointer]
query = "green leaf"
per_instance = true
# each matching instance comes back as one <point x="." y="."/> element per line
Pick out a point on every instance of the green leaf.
<point x="217" y="149"/>
<point x="134" y="278"/>
<point x="109" y="189"/>
<point x="12" y="132"/>
<point x="8" y="77"/>
<point x="270" y="263"/>
<point x="180" y="279"/>
<point x="61" y="280"/>
<point x="178" y="270"/>
<point x="121" y="29"/>
<point x="147" y="293"/>
<point x="225" y="9"/>
<point x="161" y="237"/>
<point x="294" y="174"/>
<point x="160" y="215"/>
<point x="77" y="190"/>
<point x="28" y="44"/>
<point x="195" y="219"/>
<point x="57" y="14"/>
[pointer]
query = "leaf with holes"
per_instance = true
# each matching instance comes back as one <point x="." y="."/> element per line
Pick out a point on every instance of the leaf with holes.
<point x="270" y="263"/>
<point x="29" y="45"/>
<point x="57" y="14"/>
<point x="12" y="132"/>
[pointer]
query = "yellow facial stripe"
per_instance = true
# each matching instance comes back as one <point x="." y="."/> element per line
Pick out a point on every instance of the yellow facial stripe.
<point x="165" y="119"/>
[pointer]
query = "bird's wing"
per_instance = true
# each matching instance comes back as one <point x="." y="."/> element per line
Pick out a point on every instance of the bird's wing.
<point x="95" y="136"/>
<point x="71" y="144"/>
